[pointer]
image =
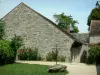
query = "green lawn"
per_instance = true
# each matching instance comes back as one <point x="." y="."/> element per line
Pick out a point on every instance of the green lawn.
<point x="26" y="69"/>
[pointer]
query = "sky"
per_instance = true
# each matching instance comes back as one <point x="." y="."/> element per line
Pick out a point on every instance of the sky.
<point x="78" y="9"/>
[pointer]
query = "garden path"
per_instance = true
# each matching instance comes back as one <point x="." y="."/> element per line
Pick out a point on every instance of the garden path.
<point x="73" y="68"/>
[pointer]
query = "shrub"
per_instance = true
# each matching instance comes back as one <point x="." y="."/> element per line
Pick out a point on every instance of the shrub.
<point x="16" y="42"/>
<point x="6" y="53"/>
<point x="94" y="55"/>
<point x="39" y="57"/>
<point x="62" y="58"/>
<point x="51" y="56"/>
<point x="28" y="54"/>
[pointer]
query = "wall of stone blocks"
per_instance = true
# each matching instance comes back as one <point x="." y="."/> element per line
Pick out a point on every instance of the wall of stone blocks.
<point x="36" y="31"/>
<point x="94" y="40"/>
<point x="77" y="53"/>
<point x="81" y="37"/>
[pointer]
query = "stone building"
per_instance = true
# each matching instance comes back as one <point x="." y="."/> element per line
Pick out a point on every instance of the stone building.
<point x="77" y="50"/>
<point x="95" y="32"/>
<point x="40" y="32"/>
<point x="36" y="31"/>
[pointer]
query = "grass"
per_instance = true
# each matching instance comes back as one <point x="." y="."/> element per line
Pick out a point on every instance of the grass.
<point x="26" y="69"/>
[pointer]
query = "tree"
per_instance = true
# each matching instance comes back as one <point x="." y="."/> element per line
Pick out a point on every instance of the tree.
<point x="1" y="29"/>
<point x="65" y="21"/>
<point x="75" y="28"/>
<point x="94" y="15"/>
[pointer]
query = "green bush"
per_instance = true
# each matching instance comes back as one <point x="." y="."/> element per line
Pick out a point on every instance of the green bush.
<point x="62" y="58"/>
<point x="51" y="56"/>
<point x="28" y="54"/>
<point x="94" y="55"/>
<point x="16" y="43"/>
<point x="6" y="53"/>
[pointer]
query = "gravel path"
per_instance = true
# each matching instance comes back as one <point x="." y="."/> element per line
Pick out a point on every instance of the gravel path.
<point x="73" y="68"/>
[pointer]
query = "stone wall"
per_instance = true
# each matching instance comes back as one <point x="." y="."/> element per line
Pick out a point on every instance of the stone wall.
<point x="81" y="37"/>
<point x="36" y="31"/>
<point x="77" y="52"/>
<point x="94" y="40"/>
